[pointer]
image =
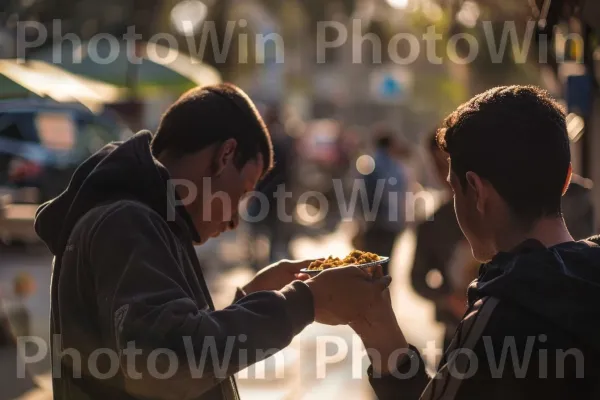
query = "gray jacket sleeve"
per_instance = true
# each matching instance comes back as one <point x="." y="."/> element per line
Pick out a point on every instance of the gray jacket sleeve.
<point x="145" y="300"/>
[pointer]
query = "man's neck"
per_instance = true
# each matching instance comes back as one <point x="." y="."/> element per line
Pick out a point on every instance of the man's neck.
<point x="548" y="231"/>
<point x="189" y="196"/>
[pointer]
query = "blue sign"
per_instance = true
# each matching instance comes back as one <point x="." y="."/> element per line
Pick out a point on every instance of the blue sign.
<point x="390" y="87"/>
<point x="579" y="94"/>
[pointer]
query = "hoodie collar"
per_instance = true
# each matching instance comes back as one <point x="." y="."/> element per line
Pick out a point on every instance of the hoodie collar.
<point x="119" y="170"/>
<point x="560" y="284"/>
<point x="143" y="140"/>
<point x="176" y="203"/>
<point x="499" y="265"/>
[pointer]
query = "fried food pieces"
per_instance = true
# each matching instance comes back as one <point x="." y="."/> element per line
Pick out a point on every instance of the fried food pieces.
<point x="356" y="257"/>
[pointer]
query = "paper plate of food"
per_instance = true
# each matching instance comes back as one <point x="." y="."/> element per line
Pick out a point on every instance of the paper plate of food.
<point x="356" y="258"/>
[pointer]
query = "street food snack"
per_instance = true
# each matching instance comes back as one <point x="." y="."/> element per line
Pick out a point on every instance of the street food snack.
<point x="356" y="257"/>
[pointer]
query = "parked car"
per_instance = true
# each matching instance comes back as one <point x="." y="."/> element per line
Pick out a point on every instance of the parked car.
<point x="43" y="141"/>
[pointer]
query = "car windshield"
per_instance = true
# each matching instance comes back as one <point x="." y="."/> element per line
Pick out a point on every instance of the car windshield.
<point x="57" y="139"/>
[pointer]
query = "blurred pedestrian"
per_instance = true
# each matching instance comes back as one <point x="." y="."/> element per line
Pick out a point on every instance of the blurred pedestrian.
<point x="6" y="335"/>
<point x="24" y="287"/>
<point x="278" y="230"/>
<point x="126" y="276"/>
<point x="438" y="247"/>
<point x="386" y="192"/>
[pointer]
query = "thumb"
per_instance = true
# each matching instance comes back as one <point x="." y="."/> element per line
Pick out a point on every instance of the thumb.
<point x="302" y="277"/>
<point x="377" y="271"/>
<point x="383" y="283"/>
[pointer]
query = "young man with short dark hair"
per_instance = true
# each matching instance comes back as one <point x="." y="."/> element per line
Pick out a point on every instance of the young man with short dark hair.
<point x="532" y="326"/>
<point x="386" y="187"/>
<point x="126" y="279"/>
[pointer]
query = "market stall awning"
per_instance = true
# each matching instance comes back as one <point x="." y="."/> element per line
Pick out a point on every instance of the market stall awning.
<point x="48" y="80"/>
<point x="147" y="66"/>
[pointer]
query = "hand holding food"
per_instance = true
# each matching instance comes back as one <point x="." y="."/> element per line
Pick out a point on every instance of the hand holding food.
<point x="277" y="275"/>
<point x="381" y="315"/>
<point x="343" y="295"/>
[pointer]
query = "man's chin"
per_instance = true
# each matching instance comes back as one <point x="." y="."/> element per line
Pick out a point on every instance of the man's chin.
<point x="483" y="256"/>
<point x="201" y="241"/>
<point x="205" y="238"/>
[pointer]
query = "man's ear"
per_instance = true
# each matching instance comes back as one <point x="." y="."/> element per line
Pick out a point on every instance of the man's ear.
<point x="224" y="155"/>
<point x="568" y="181"/>
<point x="475" y="184"/>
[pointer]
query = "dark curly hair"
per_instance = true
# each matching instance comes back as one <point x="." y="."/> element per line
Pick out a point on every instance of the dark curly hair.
<point x="516" y="138"/>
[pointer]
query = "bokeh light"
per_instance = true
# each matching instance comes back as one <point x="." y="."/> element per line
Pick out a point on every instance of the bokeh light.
<point x="400" y="4"/>
<point x="308" y="214"/>
<point x="365" y="164"/>
<point x="469" y="14"/>
<point x="575" y="126"/>
<point x="188" y="16"/>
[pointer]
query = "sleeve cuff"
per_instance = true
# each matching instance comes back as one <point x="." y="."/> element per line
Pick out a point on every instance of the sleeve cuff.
<point x="299" y="303"/>
<point x="406" y="378"/>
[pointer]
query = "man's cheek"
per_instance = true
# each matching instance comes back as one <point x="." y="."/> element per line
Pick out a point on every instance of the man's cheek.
<point x="236" y="205"/>
<point x="218" y="212"/>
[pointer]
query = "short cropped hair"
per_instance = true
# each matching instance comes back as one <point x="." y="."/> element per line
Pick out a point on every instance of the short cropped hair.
<point x="516" y="138"/>
<point x="213" y="114"/>
<point x="432" y="141"/>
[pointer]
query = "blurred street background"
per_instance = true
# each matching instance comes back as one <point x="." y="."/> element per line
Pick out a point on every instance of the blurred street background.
<point x="346" y="88"/>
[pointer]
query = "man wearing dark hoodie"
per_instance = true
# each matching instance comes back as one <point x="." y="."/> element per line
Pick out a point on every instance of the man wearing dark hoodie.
<point x="131" y="314"/>
<point x="532" y="327"/>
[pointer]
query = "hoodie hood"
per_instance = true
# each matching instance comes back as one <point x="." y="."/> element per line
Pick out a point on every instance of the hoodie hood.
<point x="119" y="170"/>
<point x="561" y="284"/>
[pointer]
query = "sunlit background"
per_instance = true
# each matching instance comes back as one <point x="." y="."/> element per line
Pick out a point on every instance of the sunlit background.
<point x="58" y="105"/>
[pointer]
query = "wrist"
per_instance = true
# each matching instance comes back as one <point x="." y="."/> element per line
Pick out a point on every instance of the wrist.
<point x="376" y="333"/>
<point x="313" y="286"/>
<point x="321" y="301"/>
<point x="375" y="324"/>
<point x="385" y="344"/>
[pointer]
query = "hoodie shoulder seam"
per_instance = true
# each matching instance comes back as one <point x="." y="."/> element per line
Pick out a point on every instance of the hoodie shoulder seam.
<point x="108" y="210"/>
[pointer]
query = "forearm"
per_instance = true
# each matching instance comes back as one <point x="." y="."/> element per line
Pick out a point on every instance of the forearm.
<point x="210" y="346"/>
<point x="397" y="370"/>
<point x="385" y="345"/>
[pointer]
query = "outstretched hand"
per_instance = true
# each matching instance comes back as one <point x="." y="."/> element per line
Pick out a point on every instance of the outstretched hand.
<point x="276" y="276"/>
